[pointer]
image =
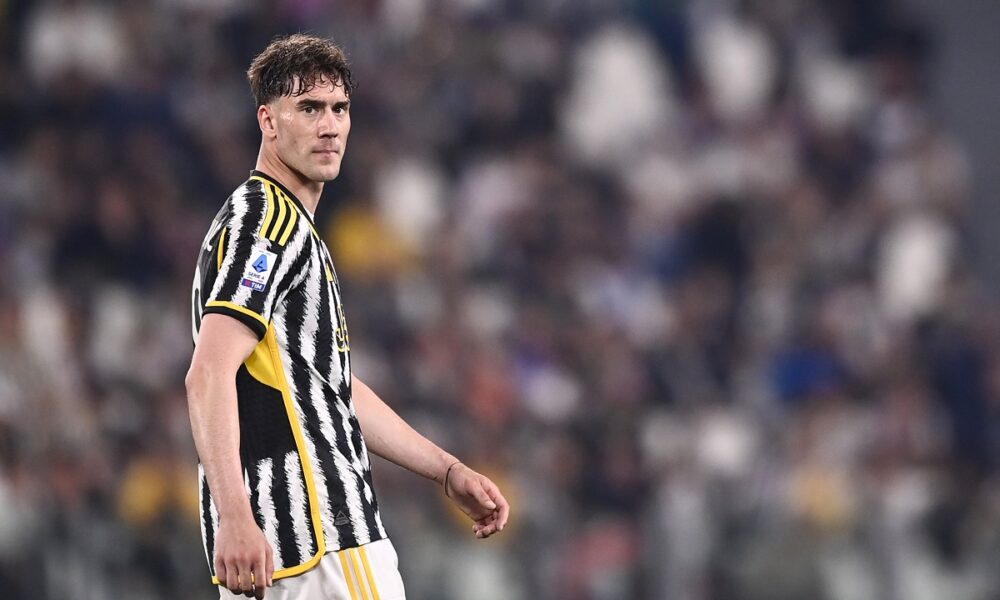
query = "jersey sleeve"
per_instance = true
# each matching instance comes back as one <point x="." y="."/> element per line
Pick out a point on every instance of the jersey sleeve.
<point x="256" y="259"/>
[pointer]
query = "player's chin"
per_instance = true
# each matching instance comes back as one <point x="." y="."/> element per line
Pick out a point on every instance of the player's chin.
<point x="327" y="172"/>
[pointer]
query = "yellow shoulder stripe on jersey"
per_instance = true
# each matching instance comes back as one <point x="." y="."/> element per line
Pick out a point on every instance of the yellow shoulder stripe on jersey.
<point x="282" y="210"/>
<point x="368" y="572"/>
<point x="291" y="206"/>
<point x="270" y="208"/>
<point x="347" y="574"/>
<point x="293" y="215"/>
<point x="222" y="247"/>
<point x="293" y="210"/>
<point x="237" y="308"/>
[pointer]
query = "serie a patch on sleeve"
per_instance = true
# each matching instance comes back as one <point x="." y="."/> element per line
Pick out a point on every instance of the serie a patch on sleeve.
<point x="259" y="269"/>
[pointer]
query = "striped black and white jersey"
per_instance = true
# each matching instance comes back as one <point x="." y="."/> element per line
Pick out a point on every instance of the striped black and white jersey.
<point x="306" y="466"/>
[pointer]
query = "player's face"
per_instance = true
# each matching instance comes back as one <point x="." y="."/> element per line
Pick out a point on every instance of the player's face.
<point x="311" y="130"/>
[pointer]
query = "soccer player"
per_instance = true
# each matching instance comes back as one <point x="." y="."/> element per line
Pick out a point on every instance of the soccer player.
<point x="287" y="501"/>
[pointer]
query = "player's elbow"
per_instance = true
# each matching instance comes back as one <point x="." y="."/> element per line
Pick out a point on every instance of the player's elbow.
<point x="197" y="378"/>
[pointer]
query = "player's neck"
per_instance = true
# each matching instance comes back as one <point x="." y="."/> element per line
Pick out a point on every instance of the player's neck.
<point x="306" y="190"/>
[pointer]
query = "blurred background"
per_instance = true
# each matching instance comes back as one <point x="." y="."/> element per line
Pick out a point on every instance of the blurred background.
<point x="709" y="287"/>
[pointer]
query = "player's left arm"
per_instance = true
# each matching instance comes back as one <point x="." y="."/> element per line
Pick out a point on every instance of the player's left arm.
<point x="390" y="437"/>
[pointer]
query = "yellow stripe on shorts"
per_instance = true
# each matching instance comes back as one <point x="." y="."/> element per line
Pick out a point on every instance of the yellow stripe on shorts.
<point x="347" y="575"/>
<point x="357" y="573"/>
<point x="368" y="572"/>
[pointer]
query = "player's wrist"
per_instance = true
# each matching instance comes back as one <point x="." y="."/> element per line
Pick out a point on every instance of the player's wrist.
<point x="448" y="473"/>
<point x="235" y="510"/>
<point x="439" y="466"/>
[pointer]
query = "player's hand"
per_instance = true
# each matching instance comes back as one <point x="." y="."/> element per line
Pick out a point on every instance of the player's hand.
<point x="244" y="560"/>
<point x="479" y="498"/>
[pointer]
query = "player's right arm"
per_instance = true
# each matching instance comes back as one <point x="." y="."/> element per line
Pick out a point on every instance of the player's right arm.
<point x="240" y="546"/>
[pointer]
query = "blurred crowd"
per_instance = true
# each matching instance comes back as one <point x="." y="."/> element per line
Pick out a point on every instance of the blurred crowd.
<point x="690" y="279"/>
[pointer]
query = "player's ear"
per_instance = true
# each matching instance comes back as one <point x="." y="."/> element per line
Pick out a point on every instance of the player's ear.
<point x="266" y="121"/>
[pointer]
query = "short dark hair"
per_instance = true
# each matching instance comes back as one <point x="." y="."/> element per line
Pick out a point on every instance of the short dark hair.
<point x="292" y="65"/>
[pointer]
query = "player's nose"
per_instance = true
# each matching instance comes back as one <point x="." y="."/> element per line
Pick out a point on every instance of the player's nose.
<point x="328" y="125"/>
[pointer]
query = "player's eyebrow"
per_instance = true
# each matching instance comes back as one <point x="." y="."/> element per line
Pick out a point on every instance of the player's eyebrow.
<point x="320" y="104"/>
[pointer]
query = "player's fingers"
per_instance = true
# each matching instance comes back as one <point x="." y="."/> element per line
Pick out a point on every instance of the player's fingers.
<point x="269" y="566"/>
<point x="488" y="519"/>
<point x="503" y="508"/>
<point x="484" y="525"/>
<point x="494" y="493"/>
<point x="479" y="493"/>
<point x="246" y="578"/>
<point x="220" y="572"/>
<point x="260" y="585"/>
<point x="233" y="577"/>
<point x="260" y="575"/>
<point x="485" y="532"/>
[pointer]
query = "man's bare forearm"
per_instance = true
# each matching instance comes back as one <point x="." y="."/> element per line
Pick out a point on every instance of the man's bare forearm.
<point x="390" y="437"/>
<point x="215" y="424"/>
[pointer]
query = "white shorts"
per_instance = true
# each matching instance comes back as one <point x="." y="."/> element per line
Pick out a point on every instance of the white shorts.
<point x="369" y="572"/>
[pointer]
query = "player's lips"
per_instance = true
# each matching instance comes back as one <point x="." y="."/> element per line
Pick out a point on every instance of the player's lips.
<point x="326" y="151"/>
